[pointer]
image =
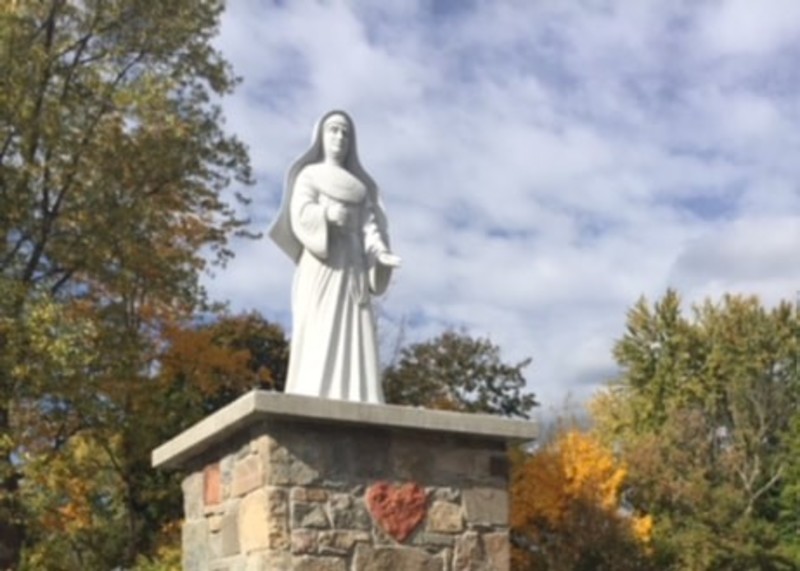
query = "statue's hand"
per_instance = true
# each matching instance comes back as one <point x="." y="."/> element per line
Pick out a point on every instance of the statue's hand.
<point x="389" y="259"/>
<point x="336" y="214"/>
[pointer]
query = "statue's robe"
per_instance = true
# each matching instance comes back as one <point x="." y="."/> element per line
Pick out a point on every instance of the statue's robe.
<point x="334" y="349"/>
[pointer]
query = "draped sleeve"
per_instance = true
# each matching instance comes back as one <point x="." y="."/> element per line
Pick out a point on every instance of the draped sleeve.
<point x="375" y="242"/>
<point x="308" y="216"/>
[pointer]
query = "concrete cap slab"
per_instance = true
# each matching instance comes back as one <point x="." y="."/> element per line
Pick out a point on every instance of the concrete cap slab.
<point x="264" y="405"/>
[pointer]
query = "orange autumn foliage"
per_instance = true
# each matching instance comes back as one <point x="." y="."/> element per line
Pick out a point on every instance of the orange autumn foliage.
<point x="195" y="352"/>
<point x="235" y="353"/>
<point x="566" y="509"/>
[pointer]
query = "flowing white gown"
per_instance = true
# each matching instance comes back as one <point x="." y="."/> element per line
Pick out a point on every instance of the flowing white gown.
<point x="334" y="350"/>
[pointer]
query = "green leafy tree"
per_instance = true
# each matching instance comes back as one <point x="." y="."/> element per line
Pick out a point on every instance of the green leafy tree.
<point x="457" y="372"/>
<point x="112" y="168"/>
<point x="44" y="350"/>
<point x="101" y="494"/>
<point x="788" y="503"/>
<point x="702" y="414"/>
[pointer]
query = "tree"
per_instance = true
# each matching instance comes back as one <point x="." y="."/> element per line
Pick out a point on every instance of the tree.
<point x="212" y="364"/>
<point x="458" y="372"/>
<point x="789" y="500"/>
<point x="566" y="509"/>
<point x="44" y="340"/>
<point x="101" y="493"/>
<point x="702" y="414"/>
<point x="112" y="168"/>
<point x="201" y="367"/>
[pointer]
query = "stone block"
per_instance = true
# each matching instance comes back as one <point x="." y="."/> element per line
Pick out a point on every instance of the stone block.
<point x="226" y="471"/>
<point x="212" y="485"/>
<point x="195" y="545"/>
<point x="468" y="553"/>
<point x="460" y="464"/>
<point x="192" y="487"/>
<point x="263" y="521"/>
<point x="269" y="561"/>
<point x="253" y="522"/>
<point x="486" y="506"/>
<point x="311" y="515"/>
<point x="368" y="558"/>
<point x="229" y="534"/>
<point x="340" y="542"/>
<point x="487" y="552"/>
<point x="248" y="475"/>
<point x="445" y="517"/>
<point x="349" y="513"/>
<point x="304" y="541"/>
<point x="314" y="563"/>
<point x="434" y="541"/>
<point x="410" y="459"/>
<point x="353" y="454"/>
<point x="286" y="469"/>
<point x="497" y="551"/>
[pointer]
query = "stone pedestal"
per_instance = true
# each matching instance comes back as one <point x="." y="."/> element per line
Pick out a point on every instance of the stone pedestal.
<point x="297" y="483"/>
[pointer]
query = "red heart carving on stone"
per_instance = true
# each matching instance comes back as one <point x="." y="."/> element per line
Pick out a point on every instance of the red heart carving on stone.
<point x="397" y="509"/>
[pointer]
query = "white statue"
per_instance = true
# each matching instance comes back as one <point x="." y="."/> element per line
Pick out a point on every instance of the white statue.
<point x="333" y="226"/>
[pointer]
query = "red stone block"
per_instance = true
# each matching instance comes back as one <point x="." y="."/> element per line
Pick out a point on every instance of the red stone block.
<point x="212" y="485"/>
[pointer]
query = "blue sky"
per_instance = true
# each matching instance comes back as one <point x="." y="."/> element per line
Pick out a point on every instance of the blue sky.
<point x="543" y="163"/>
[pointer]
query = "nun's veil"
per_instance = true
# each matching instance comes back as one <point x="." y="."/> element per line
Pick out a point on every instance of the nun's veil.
<point x="281" y="231"/>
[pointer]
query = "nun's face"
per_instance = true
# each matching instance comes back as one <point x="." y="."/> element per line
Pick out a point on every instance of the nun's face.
<point x="336" y="138"/>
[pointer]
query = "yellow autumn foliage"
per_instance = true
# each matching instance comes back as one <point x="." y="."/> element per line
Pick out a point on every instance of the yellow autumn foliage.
<point x="591" y="471"/>
<point x="566" y="499"/>
<point x="642" y="527"/>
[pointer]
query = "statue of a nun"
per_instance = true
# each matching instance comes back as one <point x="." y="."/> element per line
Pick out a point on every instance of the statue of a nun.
<point x="332" y="225"/>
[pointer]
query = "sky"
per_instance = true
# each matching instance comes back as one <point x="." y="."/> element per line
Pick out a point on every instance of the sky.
<point x="543" y="163"/>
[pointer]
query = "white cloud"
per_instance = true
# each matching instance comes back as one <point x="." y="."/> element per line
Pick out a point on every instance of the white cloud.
<point x="742" y="27"/>
<point x="749" y="254"/>
<point x="543" y="164"/>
